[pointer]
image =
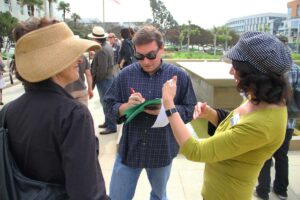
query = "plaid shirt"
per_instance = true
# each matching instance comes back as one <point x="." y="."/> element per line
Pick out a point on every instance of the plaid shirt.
<point x="116" y="48"/>
<point x="142" y="146"/>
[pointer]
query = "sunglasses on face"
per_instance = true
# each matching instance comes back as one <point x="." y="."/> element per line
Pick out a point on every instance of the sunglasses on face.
<point x="151" y="55"/>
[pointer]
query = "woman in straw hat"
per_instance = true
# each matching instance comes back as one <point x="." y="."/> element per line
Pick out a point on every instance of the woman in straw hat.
<point x="246" y="137"/>
<point x="51" y="135"/>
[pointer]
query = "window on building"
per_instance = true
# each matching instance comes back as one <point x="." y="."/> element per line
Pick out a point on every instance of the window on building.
<point x="289" y="12"/>
<point x="298" y="11"/>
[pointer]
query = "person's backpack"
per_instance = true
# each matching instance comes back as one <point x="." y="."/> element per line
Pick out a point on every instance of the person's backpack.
<point x="294" y="104"/>
<point x="13" y="184"/>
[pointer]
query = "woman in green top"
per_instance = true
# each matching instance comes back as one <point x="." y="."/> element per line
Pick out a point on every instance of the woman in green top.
<point x="250" y="134"/>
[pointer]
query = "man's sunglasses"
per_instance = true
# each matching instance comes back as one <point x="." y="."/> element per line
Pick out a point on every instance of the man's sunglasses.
<point x="150" y="55"/>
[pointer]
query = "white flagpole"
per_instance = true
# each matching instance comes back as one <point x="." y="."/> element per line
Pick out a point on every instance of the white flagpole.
<point x="103" y="16"/>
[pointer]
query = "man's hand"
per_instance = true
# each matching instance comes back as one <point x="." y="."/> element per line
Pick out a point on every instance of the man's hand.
<point x="200" y="110"/>
<point x="135" y="99"/>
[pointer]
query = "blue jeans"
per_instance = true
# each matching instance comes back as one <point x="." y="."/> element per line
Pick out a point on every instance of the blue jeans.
<point x="102" y="87"/>
<point x="281" y="180"/>
<point x="124" y="179"/>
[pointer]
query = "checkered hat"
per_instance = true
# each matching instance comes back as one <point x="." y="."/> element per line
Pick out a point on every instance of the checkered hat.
<point x="262" y="50"/>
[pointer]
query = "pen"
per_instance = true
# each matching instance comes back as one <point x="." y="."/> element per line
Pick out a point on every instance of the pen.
<point x="132" y="91"/>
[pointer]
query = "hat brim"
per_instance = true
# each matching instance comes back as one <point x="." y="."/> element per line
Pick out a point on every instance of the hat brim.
<point x="96" y="37"/>
<point x="235" y="54"/>
<point x="41" y="64"/>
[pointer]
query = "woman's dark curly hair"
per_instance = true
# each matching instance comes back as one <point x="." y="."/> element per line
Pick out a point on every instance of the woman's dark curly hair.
<point x="267" y="87"/>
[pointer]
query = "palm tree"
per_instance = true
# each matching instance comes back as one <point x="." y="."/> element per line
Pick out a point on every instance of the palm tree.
<point x="215" y="31"/>
<point x="51" y="7"/>
<point x="31" y="4"/>
<point x="65" y="7"/>
<point x="75" y="17"/>
<point x="46" y="10"/>
<point x="189" y="35"/>
<point x="226" y="36"/>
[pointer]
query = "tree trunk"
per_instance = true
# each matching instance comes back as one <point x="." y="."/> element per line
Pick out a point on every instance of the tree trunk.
<point x="215" y="44"/>
<point x="32" y="10"/>
<point x="45" y="8"/>
<point x="51" y="9"/>
<point x="64" y="15"/>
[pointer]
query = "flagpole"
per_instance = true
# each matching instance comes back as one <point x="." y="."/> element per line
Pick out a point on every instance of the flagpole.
<point x="103" y="16"/>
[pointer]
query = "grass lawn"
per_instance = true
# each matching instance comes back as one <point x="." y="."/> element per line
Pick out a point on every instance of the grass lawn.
<point x="190" y="55"/>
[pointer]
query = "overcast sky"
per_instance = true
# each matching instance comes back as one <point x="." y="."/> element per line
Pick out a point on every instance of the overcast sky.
<point x="205" y="13"/>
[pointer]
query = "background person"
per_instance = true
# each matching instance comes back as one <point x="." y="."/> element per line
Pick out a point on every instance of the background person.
<point x="2" y="81"/>
<point x="114" y="42"/>
<point x="251" y="133"/>
<point x="281" y="180"/>
<point x="127" y="50"/>
<point x="78" y="88"/>
<point x="103" y="74"/>
<point x="51" y="135"/>
<point x="142" y="147"/>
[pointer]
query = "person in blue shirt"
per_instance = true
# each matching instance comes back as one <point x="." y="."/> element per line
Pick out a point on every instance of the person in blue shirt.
<point x="142" y="147"/>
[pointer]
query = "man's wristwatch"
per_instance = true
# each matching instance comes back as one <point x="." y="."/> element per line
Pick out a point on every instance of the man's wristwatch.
<point x="169" y="112"/>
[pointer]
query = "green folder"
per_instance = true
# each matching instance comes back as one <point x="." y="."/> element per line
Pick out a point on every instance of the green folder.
<point x="134" y="111"/>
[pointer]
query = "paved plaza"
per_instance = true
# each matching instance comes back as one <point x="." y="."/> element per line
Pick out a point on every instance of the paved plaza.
<point x="186" y="176"/>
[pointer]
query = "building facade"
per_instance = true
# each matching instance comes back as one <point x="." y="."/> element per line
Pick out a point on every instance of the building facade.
<point x="22" y="12"/>
<point x="267" y="22"/>
<point x="291" y="26"/>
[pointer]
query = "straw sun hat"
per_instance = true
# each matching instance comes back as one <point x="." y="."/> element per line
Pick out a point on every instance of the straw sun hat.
<point x="42" y="53"/>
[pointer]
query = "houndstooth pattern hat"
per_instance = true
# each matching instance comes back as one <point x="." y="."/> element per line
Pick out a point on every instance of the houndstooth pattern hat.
<point x="262" y="50"/>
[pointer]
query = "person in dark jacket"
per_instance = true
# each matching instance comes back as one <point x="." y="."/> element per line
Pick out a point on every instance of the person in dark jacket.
<point x="51" y="135"/>
<point x="127" y="49"/>
<point x="103" y="74"/>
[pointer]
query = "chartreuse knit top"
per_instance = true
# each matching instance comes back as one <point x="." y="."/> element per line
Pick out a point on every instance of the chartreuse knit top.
<point x="236" y="153"/>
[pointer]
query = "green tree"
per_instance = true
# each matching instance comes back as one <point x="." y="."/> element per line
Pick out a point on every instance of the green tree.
<point x="31" y="5"/>
<point x="267" y="28"/>
<point x="75" y="17"/>
<point x="206" y="37"/>
<point x="224" y="35"/>
<point x="215" y="31"/>
<point x="181" y="38"/>
<point x="172" y="35"/>
<point x="7" y="23"/>
<point x="162" y="18"/>
<point x="51" y="7"/>
<point x="65" y="7"/>
<point x="234" y="38"/>
<point x="195" y="35"/>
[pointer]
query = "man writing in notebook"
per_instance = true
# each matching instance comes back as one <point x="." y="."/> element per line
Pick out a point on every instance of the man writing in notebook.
<point x="142" y="147"/>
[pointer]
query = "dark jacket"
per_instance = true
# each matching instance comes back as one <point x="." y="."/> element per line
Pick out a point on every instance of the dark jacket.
<point x="103" y="63"/>
<point x="52" y="139"/>
<point x="127" y="52"/>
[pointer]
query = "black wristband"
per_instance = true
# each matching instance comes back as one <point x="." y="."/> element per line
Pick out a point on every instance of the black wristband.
<point x="169" y="112"/>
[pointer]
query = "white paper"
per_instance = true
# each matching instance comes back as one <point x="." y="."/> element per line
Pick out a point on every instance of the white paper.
<point x="162" y="119"/>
